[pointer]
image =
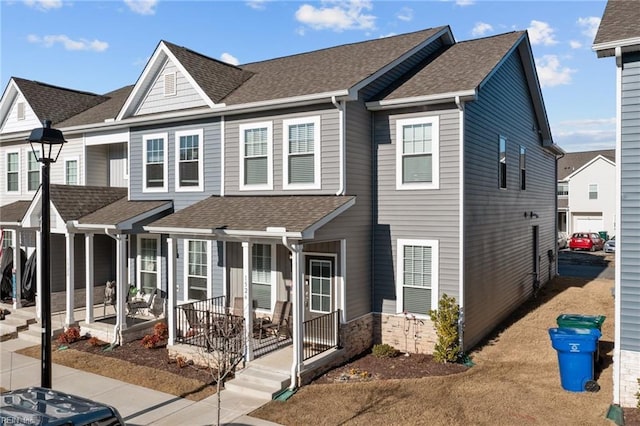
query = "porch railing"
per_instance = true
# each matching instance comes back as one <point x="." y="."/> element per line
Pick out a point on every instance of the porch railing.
<point x="194" y="317"/>
<point x="321" y="334"/>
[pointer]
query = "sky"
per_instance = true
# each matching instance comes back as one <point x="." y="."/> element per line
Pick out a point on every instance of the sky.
<point x="99" y="46"/>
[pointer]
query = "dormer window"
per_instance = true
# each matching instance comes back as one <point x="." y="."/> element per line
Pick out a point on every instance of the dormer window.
<point x="170" y="84"/>
<point x="20" y="108"/>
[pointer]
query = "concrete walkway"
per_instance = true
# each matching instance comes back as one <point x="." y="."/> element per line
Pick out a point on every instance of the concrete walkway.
<point x="137" y="405"/>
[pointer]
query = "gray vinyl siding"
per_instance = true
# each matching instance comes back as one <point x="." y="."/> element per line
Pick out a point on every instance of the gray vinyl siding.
<point x="498" y="251"/>
<point x="185" y="97"/>
<point x="118" y="165"/>
<point x="629" y="245"/>
<point x="211" y="162"/>
<point x="329" y="155"/>
<point x="74" y="149"/>
<point x="97" y="161"/>
<point x="424" y="214"/>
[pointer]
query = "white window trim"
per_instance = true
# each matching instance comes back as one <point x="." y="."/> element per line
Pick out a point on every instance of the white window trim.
<point x="12" y="235"/>
<point x="173" y="92"/>
<point x="77" y="160"/>
<point x="315" y="120"/>
<point x="435" y="267"/>
<point x="185" y="269"/>
<point x="269" y="184"/>
<point x="589" y="192"/>
<point x="178" y="135"/>
<point x="139" y="259"/>
<point x="26" y="167"/>
<point x="274" y="277"/>
<point x="331" y="291"/>
<point x="435" y="153"/>
<point x="6" y="171"/>
<point x="165" y="174"/>
<point x="522" y="167"/>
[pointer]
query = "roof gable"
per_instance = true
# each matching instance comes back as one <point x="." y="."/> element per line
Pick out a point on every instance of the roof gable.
<point x="573" y="161"/>
<point x="618" y="28"/>
<point x="589" y="164"/>
<point x="9" y="106"/>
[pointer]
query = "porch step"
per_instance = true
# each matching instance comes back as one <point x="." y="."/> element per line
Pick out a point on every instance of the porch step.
<point x="14" y="322"/>
<point x="34" y="333"/>
<point x="258" y="382"/>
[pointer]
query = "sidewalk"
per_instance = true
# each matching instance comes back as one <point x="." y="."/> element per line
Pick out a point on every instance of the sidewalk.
<point x="137" y="405"/>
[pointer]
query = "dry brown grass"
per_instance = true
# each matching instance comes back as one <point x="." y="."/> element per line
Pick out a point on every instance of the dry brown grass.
<point x="515" y="380"/>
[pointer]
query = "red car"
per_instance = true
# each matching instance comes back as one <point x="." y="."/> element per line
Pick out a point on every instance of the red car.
<point x="586" y="241"/>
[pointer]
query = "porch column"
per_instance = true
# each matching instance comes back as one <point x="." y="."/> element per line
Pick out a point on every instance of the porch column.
<point x="247" y="299"/>
<point x="17" y="272"/>
<point x="297" y="289"/>
<point x="122" y="287"/>
<point x="89" y="279"/>
<point x="38" y="277"/>
<point x="70" y="278"/>
<point x="171" y="289"/>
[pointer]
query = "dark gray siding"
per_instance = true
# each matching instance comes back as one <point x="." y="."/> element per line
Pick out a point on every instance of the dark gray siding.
<point x="211" y="163"/>
<point x="498" y="252"/>
<point x="416" y="214"/>
<point x="630" y="205"/>
<point x="330" y="154"/>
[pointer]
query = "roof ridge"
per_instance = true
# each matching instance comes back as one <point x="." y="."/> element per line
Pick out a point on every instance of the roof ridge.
<point x="202" y="55"/>
<point x="53" y="86"/>
<point x="492" y="36"/>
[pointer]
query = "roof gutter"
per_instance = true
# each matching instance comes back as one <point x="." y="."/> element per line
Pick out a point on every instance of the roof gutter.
<point x="453" y="97"/>
<point x="610" y="48"/>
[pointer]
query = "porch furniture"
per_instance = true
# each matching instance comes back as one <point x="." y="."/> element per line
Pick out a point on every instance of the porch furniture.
<point x="153" y="304"/>
<point x="198" y="321"/>
<point x="278" y="324"/>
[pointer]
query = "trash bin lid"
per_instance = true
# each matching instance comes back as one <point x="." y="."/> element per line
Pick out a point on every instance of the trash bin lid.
<point x="580" y="321"/>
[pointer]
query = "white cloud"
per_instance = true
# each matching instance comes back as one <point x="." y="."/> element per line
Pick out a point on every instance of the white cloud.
<point x="575" y="44"/>
<point x="481" y="28"/>
<point x="541" y="33"/>
<point x="337" y="16"/>
<point x="589" y="26"/>
<point x="465" y="2"/>
<point x="585" y="135"/>
<point x="68" y="43"/>
<point x="405" y="14"/>
<point x="44" y="5"/>
<point x="142" y="7"/>
<point x="257" y="4"/>
<point x="229" y="58"/>
<point x="551" y="73"/>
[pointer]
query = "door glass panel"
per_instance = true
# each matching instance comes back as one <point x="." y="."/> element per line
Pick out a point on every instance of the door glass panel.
<point x="320" y="278"/>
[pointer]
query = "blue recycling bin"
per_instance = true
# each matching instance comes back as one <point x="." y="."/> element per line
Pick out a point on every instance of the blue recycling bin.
<point x="576" y="348"/>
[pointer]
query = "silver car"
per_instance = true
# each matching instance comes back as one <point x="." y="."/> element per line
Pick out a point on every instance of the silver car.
<point x="610" y="245"/>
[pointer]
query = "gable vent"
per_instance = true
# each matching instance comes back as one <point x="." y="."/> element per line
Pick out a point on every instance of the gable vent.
<point x="170" y="84"/>
<point x="20" y="107"/>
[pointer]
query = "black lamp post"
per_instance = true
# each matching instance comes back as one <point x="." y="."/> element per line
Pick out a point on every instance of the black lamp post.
<point x="49" y="141"/>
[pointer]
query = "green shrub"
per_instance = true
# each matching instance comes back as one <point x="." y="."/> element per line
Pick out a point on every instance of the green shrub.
<point x="445" y="321"/>
<point x="384" y="351"/>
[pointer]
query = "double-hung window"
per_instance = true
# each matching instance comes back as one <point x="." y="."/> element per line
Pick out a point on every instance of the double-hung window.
<point x="197" y="269"/>
<point x="256" y="167"/>
<point x="7" y="238"/>
<point x="523" y="168"/>
<point x="189" y="160"/>
<point x="502" y="162"/>
<point x="261" y="275"/>
<point x="417" y="153"/>
<point x="148" y="263"/>
<point x="563" y="189"/>
<point x="417" y="279"/>
<point x="13" y="171"/>
<point x="71" y="176"/>
<point x="154" y="171"/>
<point x="301" y="148"/>
<point x="593" y="191"/>
<point x="33" y="171"/>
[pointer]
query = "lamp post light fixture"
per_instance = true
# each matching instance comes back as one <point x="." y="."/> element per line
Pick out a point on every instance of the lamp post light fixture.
<point x="48" y="140"/>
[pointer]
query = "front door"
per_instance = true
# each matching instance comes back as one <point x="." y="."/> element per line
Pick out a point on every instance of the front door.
<point x="319" y="286"/>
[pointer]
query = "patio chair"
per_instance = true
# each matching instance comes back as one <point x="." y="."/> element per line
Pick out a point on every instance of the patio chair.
<point x="197" y="324"/>
<point x="278" y="324"/>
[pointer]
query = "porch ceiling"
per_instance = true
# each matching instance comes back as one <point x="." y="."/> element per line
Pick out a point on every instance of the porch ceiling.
<point x="246" y="215"/>
<point x="12" y="214"/>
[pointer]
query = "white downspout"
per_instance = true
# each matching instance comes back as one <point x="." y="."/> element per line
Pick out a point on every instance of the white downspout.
<point x="298" y="302"/>
<point x="341" y="125"/>
<point x="620" y="237"/>
<point x="461" y="213"/>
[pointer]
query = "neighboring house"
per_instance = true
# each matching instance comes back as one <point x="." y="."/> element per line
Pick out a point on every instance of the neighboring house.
<point x="360" y="182"/>
<point x="619" y="37"/>
<point x="586" y="192"/>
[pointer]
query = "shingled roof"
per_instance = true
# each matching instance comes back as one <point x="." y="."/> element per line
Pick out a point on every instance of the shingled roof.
<point x="73" y="202"/>
<point x="450" y="70"/>
<point x="55" y="103"/>
<point x="620" y="22"/>
<point x="326" y="70"/>
<point x="293" y="213"/>
<point x="12" y="214"/>
<point x="123" y="210"/>
<point x="572" y="161"/>
<point x="106" y="110"/>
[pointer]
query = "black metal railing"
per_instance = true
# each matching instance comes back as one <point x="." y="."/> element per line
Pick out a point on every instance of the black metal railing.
<point x="321" y="334"/>
<point x="193" y="318"/>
